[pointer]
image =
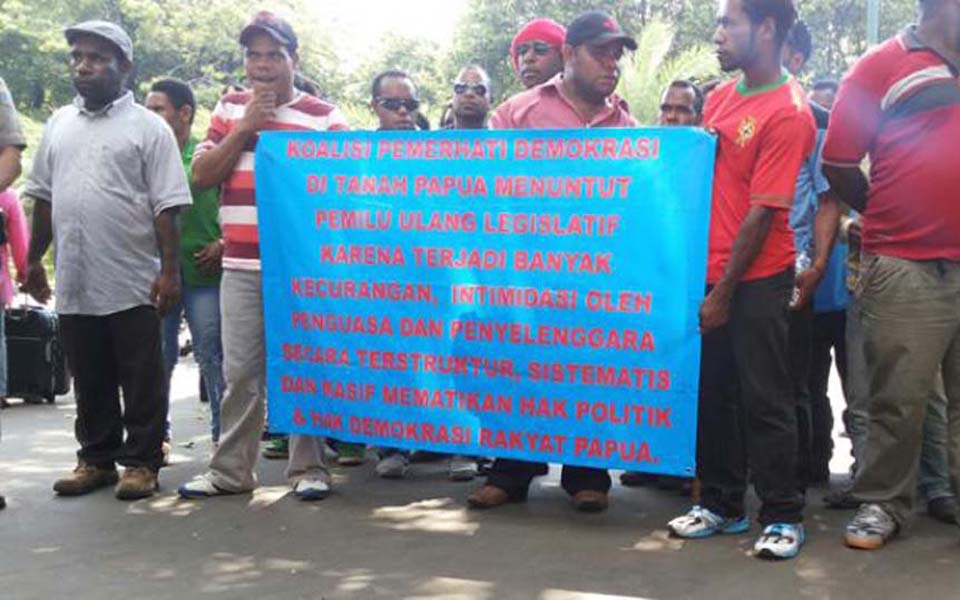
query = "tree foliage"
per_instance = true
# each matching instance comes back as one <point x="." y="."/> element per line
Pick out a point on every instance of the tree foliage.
<point x="196" y="41"/>
<point x="654" y="65"/>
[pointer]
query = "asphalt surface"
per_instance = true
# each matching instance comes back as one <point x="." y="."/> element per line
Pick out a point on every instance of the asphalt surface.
<point x="411" y="538"/>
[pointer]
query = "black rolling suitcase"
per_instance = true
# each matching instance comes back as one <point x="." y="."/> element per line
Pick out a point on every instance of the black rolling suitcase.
<point x="36" y="367"/>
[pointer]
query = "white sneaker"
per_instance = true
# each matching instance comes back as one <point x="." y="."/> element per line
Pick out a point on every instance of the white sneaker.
<point x="871" y="528"/>
<point x="780" y="540"/>
<point x="393" y="466"/>
<point x="701" y="522"/>
<point x="311" y="488"/>
<point x="199" y="487"/>
<point x="463" y="468"/>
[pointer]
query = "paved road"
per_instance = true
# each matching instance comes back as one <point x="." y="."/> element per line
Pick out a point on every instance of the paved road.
<point x="399" y="539"/>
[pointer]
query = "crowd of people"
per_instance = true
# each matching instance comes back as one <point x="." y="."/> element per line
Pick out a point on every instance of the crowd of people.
<point x="811" y="261"/>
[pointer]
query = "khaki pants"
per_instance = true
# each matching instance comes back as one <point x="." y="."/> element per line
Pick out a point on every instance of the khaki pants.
<point x="911" y="322"/>
<point x="243" y="405"/>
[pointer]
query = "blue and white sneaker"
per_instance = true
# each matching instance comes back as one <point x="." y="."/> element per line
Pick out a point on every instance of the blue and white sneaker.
<point x="780" y="541"/>
<point x="310" y="489"/>
<point x="701" y="523"/>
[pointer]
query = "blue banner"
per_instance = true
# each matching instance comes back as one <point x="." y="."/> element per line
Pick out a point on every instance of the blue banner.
<point x="522" y="294"/>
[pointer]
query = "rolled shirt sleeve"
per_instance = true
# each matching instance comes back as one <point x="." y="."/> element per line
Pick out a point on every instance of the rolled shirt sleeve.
<point x="164" y="176"/>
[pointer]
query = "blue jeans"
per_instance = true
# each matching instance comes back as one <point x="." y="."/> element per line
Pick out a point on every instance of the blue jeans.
<point x="201" y="304"/>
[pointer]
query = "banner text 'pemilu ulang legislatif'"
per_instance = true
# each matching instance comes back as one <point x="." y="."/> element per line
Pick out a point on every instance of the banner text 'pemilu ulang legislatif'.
<point x="523" y="294"/>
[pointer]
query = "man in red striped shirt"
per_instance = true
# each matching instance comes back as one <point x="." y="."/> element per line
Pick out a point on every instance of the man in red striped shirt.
<point x="225" y="158"/>
<point x="899" y="105"/>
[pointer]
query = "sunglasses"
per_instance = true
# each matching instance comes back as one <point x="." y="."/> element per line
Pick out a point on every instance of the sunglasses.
<point x="539" y="48"/>
<point x="395" y="104"/>
<point x="460" y="88"/>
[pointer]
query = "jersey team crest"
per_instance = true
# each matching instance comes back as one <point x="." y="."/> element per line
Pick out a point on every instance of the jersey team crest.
<point x="746" y="130"/>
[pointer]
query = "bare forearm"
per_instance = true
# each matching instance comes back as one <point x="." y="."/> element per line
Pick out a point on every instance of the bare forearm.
<point x="168" y="238"/>
<point x="750" y="239"/>
<point x="41" y="234"/>
<point x="211" y="168"/>
<point x="825" y="229"/>
<point x="9" y="166"/>
<point x="849" y="184"/>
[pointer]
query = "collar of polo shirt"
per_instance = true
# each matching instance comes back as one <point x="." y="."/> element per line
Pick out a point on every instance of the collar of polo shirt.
<point x="124" y="99"/>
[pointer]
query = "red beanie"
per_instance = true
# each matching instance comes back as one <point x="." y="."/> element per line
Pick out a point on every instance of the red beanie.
<point x="545" y="30"/>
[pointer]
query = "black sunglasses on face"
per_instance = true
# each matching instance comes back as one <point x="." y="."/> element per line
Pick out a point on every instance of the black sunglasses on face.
<point x="539" y="48"/>
<point x="460" y="88"/>
<point x="394" y="104"/>
<point x="604" y="51"/>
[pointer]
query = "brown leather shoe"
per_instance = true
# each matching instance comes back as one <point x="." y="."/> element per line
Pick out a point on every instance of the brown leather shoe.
<point x="84" y="479"/>
<point x="136" y="483"/>
<point x="490" y="496"/>
<point x="590" y="501"/>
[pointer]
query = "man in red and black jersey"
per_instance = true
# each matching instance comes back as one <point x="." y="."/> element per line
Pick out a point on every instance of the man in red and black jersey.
<point x="765" y="131"/>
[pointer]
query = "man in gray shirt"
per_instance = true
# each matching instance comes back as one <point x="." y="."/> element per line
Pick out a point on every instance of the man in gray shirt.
<point x="107" y="183"/>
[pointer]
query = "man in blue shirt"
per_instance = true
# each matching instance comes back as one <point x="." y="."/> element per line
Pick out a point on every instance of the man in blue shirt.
<point x="813" y="209"/>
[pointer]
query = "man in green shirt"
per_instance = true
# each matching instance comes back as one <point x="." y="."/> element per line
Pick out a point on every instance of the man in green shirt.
<point x="201" y="251"/>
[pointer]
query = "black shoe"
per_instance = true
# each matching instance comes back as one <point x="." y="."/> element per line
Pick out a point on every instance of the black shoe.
<point x="3" y="503"/>
<point x="635" y="479"/>
<point x="841" y="500"/>
<point x="426" y="456"/>
<point x="944" y="509"/>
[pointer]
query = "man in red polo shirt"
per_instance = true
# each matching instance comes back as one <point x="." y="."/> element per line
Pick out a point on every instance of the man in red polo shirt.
<point x="765" y="130"/>
<point x="901" y="105"/>
<point x="581" y="96"/>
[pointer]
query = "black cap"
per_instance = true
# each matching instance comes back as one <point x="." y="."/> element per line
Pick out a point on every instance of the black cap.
<point x="597" y="27"/>
<point x="272" y="25"/>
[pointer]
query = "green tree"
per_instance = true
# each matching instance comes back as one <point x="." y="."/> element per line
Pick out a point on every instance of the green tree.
<point x="654" y="65"/>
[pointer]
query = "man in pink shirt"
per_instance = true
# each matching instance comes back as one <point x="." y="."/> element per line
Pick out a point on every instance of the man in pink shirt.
<point x="580" y="96"/>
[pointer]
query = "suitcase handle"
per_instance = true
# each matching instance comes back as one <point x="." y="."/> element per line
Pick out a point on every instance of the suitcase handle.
<point x="25" y="305"/>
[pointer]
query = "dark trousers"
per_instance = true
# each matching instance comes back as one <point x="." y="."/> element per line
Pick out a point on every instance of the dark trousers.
<point x="829" y="333"/>
<point x="747" y="410"/>
<point x="514" y="477"/>
<point x="108" y="354"/>
<point x="800" y="333"/>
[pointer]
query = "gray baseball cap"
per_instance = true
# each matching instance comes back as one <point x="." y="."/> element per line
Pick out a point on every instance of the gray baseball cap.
<point x="111" y="32"/>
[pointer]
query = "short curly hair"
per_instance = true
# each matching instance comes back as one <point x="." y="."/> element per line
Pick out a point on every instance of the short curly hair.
<point x="783" y="13"/>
